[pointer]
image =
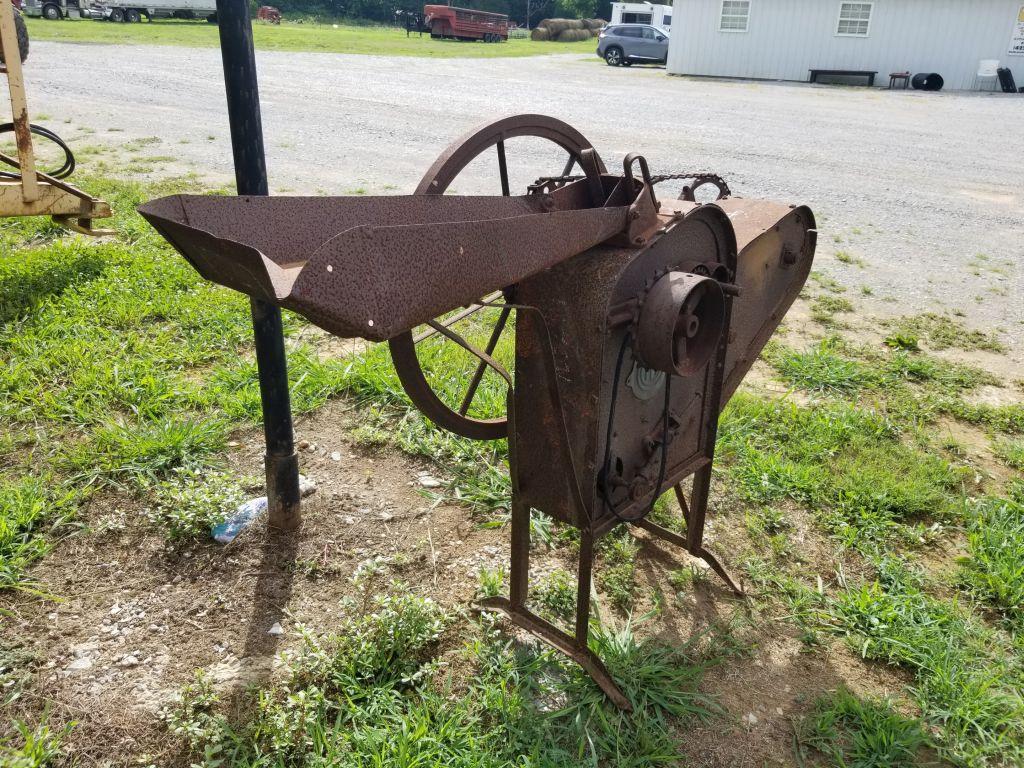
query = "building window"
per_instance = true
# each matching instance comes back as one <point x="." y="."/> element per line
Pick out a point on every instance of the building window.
<point x="735" y="15"/>
<point x="854" y="19"/>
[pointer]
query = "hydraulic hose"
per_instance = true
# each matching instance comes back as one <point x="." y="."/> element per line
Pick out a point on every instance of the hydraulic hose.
<point x="69" y="159"/>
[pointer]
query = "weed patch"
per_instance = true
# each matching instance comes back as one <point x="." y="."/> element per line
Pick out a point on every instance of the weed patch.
<point x="373" y="695"/>
<point x="994" y="567"/>
<point x="29" y="508"/>
<point x="944" y="332"/>
<point x="968" y="680"/>
<point x="857" y="733"/>
<point x="844" y="463"/>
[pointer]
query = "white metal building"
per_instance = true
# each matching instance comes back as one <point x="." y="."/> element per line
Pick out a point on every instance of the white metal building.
<point x="784" y="39"/>
<point x="642" y="13"/>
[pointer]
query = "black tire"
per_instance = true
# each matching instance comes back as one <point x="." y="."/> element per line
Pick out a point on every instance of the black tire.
<point x="117" y="15"/>
<point x="927" y="81"/>
<point x="212" y="18"/>
<point x="51" y="12"/>
<point x="22" y="32"/>
<point x="613" y="56"/>
<point x="132" y="16"/>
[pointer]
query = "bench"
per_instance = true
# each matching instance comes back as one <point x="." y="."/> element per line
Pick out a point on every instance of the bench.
<point x="845" y="72"/>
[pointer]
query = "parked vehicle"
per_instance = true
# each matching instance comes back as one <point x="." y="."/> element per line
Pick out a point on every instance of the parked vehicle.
<point x="57" y="9"/>
<point x="642" y="13"/>
<point x="625" y="44"/>
<point x="269" y="14"/>
<point x="131" y="12"/>
<point x="443" y="21"/>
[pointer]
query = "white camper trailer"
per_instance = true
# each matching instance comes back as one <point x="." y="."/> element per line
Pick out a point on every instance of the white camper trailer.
<point x="642" y="13"/>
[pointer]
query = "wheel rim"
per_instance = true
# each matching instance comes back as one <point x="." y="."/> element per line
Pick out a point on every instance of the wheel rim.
<point x="435" y="182"/>
<point x="613" y="56"/>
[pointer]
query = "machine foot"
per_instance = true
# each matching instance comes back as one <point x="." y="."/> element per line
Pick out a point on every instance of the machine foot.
<point x="718" y="568"/>
<point x="560" y="641"/>
<point x="708" y="557"/>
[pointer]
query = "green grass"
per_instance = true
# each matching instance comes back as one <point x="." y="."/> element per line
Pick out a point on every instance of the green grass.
<point x="945" y="332"/>
<point x="994" y="566"/>
<point x="968" y="679"/>
<point x="322" y="38"/>
<point x="372" y="694"/>
<point x="33" y="747"/>
<point x="862" y="733"/>
<point x="32" y="508"/>
<point x="836" y="367"/>
<point x="555" y="595"/>
<point x="1011" y="452"/>
<point x="824" y="309"/>
<point x="846" y="464"/>
<point x="119" y="366"/>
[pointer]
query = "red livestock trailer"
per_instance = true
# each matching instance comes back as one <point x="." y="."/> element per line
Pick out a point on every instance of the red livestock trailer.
<point x="465" y="24"/>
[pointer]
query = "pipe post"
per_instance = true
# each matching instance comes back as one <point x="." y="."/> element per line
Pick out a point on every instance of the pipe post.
<point x="282" y="462"/>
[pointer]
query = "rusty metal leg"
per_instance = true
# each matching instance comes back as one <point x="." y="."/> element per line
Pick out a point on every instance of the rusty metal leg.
<point x="696" y="515"/>
<point x="514" y="607"/>
<point x="519" y="570"/>
<point x="685" y="542"/>
<point x="583" y="582"/>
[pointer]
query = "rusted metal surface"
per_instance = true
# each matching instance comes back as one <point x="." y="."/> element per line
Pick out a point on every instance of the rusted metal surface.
<point x="436" y="181"/>
<point x="349" y="266"/>
<point x="635" y="321"/>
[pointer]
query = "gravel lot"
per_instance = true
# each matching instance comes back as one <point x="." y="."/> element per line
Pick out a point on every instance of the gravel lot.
<point x="913" y="184"/>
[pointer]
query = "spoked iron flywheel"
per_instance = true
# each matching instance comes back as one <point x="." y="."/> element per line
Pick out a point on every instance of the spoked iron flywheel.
<point x="447" y="396"/>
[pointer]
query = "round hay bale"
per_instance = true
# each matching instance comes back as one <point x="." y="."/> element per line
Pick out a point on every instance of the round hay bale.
<point x="595" y="32"/>
<point x="543" y="22"/>
<point x="594" y="23"/>
<point x="556" y="27"/>
<point x="573" y="35"/>
<point x="540" y="33"/>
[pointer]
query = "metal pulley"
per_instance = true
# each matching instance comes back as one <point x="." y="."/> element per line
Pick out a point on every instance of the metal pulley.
<point x="680" y="323"/>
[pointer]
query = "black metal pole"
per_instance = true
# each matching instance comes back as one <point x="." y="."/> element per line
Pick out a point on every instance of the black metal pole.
<point x="282" y="463"/>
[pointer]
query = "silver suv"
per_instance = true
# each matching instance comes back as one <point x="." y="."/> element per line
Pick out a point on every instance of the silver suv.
<point x="625" y="44"/>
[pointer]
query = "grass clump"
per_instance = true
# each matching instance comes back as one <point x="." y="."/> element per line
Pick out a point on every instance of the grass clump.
<point x="846" y="464"/>
<point x="1011" y="452"/>
<point x="823" y="369"/>
<point x="837" y="368"/>
<point x="33" y="747"/>
<point x="968" y="681"/>
<point x="556" y="595"/>
<point x="994" y="567"/>
<point x="189" y="503"/>
<point x="824" y="309"/>
<point x="944" y="332"/>
<point x="137" y="455"/>
<point x="616" y="573"/>
<point x="861" y="733"/>
<point x="29" y="508"/>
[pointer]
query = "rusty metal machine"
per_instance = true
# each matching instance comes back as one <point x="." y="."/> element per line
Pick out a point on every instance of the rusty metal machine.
<point x="27" y="191"/>
<point x="635" y="320"/>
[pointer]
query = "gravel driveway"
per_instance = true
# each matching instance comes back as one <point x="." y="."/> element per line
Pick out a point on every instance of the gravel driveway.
<point x="912" y="185"/>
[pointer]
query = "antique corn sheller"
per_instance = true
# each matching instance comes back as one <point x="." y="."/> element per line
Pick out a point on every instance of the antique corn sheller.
<point x="635" y="321"/>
